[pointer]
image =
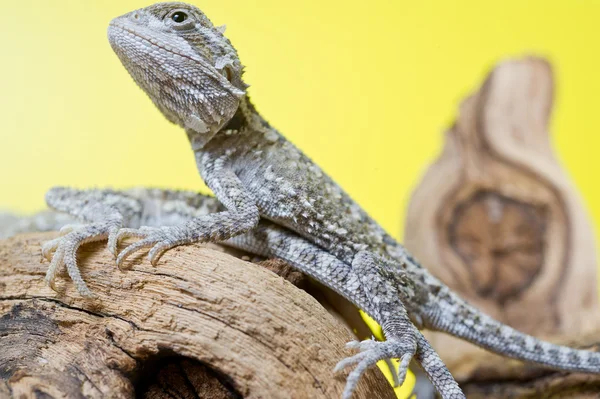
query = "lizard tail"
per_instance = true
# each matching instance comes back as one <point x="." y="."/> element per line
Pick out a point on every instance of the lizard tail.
<point x="452" y="315"/>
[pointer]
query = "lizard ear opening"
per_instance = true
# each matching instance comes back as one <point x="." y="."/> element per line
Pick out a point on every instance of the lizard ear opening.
<point x="228" y="73"/>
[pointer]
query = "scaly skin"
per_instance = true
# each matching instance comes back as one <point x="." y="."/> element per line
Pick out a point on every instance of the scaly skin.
<point x="193" y="75"/>
<point x="154" y="208"/>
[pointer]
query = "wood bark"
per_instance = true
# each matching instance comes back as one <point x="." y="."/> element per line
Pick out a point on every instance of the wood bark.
<point x="498" y="220"/>
<point x="201" y="324"/>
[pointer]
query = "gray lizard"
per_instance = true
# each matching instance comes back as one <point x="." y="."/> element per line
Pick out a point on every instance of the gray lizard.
<point x="105" y="210"/>
<point x="276" y="201"/>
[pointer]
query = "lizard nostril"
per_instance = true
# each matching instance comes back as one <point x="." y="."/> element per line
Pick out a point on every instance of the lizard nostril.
<point x="136" y="16"/>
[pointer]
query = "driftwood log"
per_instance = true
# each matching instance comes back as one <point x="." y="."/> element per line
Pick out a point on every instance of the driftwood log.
<point x="497" y="219"/>
<point x="201" y="324"/>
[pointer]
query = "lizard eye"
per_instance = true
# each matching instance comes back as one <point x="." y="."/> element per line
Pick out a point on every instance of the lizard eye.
<point x="180" y="20"/>
<point x="179" y="17"/>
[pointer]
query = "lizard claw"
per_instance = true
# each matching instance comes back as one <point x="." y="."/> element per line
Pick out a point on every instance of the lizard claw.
<point x="124" y="233"/>
<point x="370" y="353"/>
<point x="49" y="247"/>
<point x="62" y="251"/>
<point x="159" y="239"/>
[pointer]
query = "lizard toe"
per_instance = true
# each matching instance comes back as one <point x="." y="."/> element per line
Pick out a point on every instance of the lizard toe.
<point x="50" y="247"/>
<point x="157" y="250"/>
<point x="149" y="236"/>
<point x="54" y="268"/>
<point x="158" y="239"/>
<point x="372" y="352"/>
<point x="131" y="249"/>
<point x="124" y="233"/>
<point x="62" y="252"/>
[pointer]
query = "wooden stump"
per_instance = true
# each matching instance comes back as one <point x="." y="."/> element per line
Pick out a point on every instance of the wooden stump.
<point x="497" y="219"/>
<point x="201" y="324"/>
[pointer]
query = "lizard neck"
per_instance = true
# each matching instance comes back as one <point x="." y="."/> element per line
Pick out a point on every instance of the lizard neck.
<point x="245" y="122"/>
<point x="246" y="118"/>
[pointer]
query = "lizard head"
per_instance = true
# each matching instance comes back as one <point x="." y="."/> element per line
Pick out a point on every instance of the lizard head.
<point x="188" y="68"/>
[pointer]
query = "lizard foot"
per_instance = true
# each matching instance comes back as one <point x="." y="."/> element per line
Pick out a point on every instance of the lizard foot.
<point x="62" y="251"/>
<point x="370" y="353"/>
<point x="160" y="239"/>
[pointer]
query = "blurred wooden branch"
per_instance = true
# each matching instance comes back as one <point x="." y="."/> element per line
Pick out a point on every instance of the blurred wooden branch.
<point x="497" y="219"/>
<point x="201" y="323"/>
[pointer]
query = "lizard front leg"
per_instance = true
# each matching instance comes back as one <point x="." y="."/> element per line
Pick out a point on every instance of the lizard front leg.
<point x="105" y="212"/>
<point x="240" y="216"/>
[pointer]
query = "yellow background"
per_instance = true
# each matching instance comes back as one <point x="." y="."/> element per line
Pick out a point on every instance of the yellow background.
<point x="365" y="88"/>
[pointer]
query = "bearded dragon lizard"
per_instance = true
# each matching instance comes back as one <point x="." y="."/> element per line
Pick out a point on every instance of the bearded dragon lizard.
<point x="274" y="201"/>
